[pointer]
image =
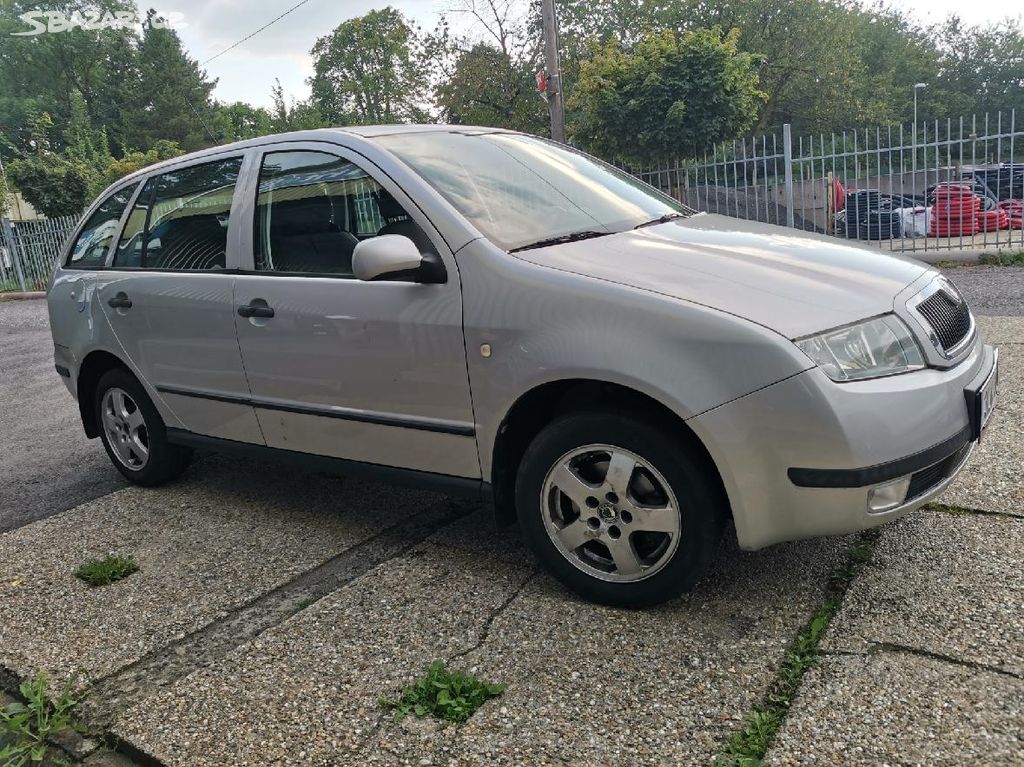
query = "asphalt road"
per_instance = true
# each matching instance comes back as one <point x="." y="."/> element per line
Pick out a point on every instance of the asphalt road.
<point x="47" y="465"/>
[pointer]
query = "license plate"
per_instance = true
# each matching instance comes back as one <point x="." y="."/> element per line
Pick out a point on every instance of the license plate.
<point x="982" y="400"/>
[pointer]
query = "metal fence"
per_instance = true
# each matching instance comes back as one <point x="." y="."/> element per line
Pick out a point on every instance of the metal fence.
<point x="949" y="184"/>
<point x="29" y="251"/>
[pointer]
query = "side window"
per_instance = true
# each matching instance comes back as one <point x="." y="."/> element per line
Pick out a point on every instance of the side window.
<point x="90" y="249"/>
<point x="180" y="220"/>
<point x="313" y="208"/>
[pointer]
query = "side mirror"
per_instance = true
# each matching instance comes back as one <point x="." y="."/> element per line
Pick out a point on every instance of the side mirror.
<point x="390" y="255"/>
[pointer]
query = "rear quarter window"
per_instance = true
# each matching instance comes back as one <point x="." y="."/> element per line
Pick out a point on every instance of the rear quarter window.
<point x="94" y="241"/>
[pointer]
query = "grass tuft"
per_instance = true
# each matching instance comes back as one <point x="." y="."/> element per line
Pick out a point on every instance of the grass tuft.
<point x="25" y="728"/>
<point x="101" y="572"/>
<point x="449" y="695"/>
<point x="747" y="747"/>
<point x="1002" y="259"/>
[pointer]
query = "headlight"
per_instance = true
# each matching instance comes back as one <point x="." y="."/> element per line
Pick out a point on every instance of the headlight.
<point x="883" y="346"/>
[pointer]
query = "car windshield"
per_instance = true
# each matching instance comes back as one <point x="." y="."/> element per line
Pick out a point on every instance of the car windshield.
<point x="520" y="190"/>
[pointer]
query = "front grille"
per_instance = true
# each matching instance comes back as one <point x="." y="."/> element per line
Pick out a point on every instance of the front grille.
<point x="923" y="481"/>
<point x="948" y="316"/>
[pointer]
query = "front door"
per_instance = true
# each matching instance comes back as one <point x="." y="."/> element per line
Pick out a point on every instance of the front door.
<point x="169" y="298"/>
<point x="367" y="371"/>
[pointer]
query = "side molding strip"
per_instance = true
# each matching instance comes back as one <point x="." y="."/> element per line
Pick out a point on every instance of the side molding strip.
<point x="344" y="414"/>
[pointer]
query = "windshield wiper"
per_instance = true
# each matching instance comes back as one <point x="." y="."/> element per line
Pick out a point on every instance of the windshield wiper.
<point x="585" y="234"/>
<point x="663" y="219"/>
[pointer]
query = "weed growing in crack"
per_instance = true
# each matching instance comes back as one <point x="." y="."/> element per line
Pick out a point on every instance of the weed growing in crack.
<point x="747" y="747"/>
<point x="101" y="572"/>
<point x="26" y="727"/>
<point x="449" y="695"/>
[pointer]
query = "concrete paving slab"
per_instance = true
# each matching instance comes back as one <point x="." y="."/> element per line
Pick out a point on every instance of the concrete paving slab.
<point x="901" y="710"/>
<point x="949" y="584"/>
<point x="991" y="481"/>
<point x="588" y="684"/>
<point x="1001" y="330"/>
<point x="307" y="691"/>
<point x="220" y="537"/>
<point x="593" y="685"/>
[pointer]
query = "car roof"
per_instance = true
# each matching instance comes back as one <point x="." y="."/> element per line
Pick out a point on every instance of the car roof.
<point x="366" y="132"/>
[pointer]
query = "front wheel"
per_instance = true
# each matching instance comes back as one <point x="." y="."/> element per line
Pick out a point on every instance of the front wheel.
<point x="133" y="433"/>
<point x="617" y="509"/>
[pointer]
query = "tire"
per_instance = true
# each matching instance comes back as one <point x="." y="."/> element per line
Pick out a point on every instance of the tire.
<point x="565" y="471"/>
<point x="133" y="433"/>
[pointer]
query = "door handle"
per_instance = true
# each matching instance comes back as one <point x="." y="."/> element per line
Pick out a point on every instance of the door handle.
<point x="120" y="301"/>
<point x="258" y="308"/>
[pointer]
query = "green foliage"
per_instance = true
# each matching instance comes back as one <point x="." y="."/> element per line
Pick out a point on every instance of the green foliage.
<point x="368" y="71"/>
<point x="747" y="747"/>
<point x="25" y="727"/>
<point x="488" y="87"/>
<point x="240" y="121"/>
<point x="294" y="115"/>
<point x="4" y="192"/>
<point x="51" y="184"/>
<point x="1002" y="259"/>
<point x="169" y="97"/>
<point x="668" y="95"/>
<point x="449" y="695"/>
<point x="133" y="161"/>
<point x="102" y="572"/>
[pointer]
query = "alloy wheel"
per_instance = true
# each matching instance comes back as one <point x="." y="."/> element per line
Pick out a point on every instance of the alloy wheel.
<point x="610" y="513"/>
<point x="125" y="428"/>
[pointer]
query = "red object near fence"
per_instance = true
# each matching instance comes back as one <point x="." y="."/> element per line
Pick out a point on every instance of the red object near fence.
<point x="956" y="212"/>
<point x="1014" y="213"/>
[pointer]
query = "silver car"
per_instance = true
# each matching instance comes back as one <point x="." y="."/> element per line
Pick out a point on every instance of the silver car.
<point x="489" y="313"/>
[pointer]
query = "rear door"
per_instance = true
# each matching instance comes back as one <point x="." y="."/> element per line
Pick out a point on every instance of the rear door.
<point x="367" y="371"/>
<point x="168" y="296"/>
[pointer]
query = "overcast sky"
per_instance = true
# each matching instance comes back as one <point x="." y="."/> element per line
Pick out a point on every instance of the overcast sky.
<point x="247" y="73"/>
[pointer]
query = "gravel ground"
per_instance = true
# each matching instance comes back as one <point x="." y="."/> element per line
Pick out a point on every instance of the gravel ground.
<point x="992" y="479"/>
<point x="223" y="535"/>
<point x="46" y="463"/>
<point x="991" y="290"/>
<point x="588" y="685"/>
<point x="943" y="583"/>
<point x="901" y="710"/>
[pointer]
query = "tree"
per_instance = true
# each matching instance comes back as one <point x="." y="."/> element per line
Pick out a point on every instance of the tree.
<point x="486" y="87"/>
<point x="367" y="71"/>
<point x="669" y="95"/>
<point x="51" y="184"/>
<point x="45" y="72"/>
<point x="982" y="68"/>
<point x="292" y="115"/>
<point x="133" y="161"/>
<point x="170" y="100"/>
<point x="239" y="121"/>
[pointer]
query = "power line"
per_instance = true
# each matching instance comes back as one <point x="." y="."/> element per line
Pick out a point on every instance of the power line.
<point x="249" y="37"/>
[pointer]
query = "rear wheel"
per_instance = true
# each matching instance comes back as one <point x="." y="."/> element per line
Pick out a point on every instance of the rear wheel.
<point x="618" y="510"/>
<point x="133" y="433"/>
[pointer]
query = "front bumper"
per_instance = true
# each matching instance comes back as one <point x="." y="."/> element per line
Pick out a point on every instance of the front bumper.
<point x="799" y="458"/>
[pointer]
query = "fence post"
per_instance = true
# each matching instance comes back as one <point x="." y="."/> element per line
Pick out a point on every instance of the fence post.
<point x="787" y="164"/>
<point x="15" y="251"/>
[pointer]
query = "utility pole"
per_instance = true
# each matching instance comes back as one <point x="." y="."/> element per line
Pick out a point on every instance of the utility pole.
<point x="554" y="70"/>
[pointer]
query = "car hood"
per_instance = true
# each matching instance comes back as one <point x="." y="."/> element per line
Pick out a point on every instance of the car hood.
<point x="793" y="282"/>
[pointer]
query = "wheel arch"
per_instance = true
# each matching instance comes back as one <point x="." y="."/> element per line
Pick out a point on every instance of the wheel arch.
<point x="92" y="369"/>
<point x="540" y="405"/>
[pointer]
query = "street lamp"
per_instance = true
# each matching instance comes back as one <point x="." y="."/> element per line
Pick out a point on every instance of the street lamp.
<point x="917" y="87"/>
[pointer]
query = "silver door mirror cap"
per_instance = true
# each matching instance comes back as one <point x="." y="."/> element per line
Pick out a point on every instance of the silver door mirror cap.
<point x="384" y="255"/>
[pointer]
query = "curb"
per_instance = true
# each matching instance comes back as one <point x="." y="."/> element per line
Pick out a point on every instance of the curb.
<point x="33" y="294"/>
